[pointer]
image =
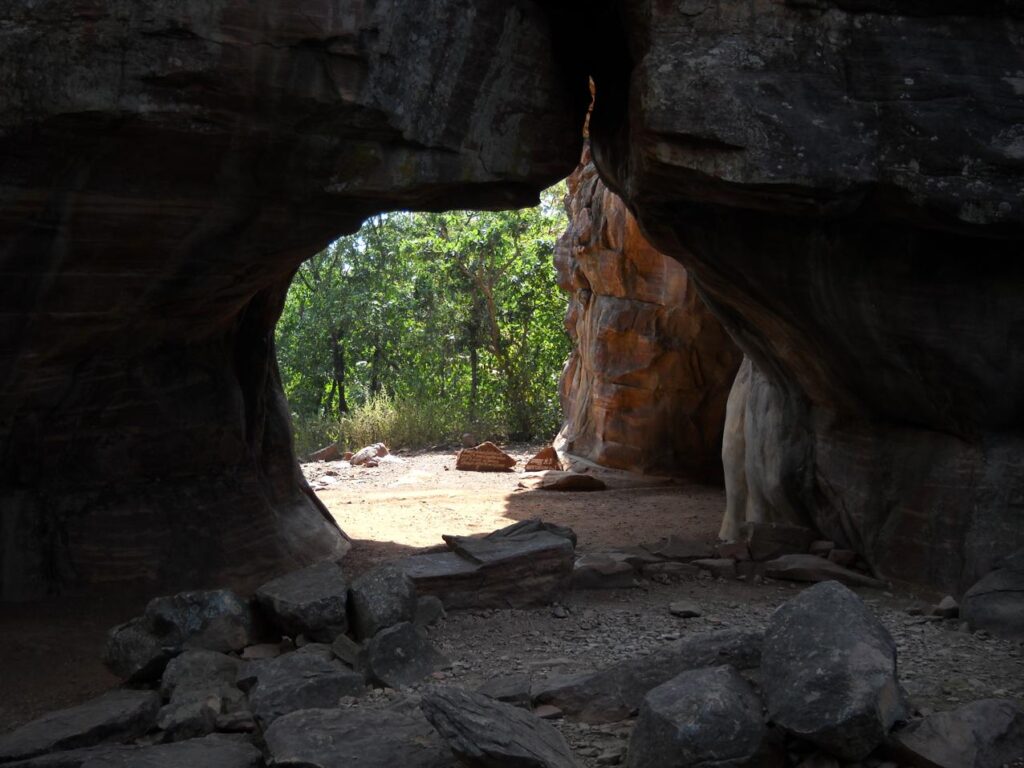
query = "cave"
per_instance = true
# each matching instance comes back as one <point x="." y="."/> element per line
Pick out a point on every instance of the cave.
<point x="840" y="179"/>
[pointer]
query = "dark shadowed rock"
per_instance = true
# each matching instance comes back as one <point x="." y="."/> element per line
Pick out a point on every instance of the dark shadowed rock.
<point x="719" y="567"/>
<point x="429" y="611"/>
<point x="829" y="672"/>
<point x="557" y="480"/>
<point x="996" y="602"/>
<point x="767" y="541"/>
<point x="704" y="717"/>
<point x="118" y="716"/>
<point x="200" y="687"/>
<point x="603" y="570"/>
<point x="680" y="550"/>
<point x="381" y="597"/>
<point x="528" y="563"/>
<point x="982" y="734"/>
<point x="484" y="732"/>
<point x="401" y="655"/>
<point x="343" y="738"/>
<point x="217" y="620"/>
<point x="311" y="601"/>
<point x="616" y="692"/>
<point x="812" y="568"/>
<point x="511" y="689"/>
<point x="296" y="681"/>
<point x="210" y="752"/>
<point x="133" y="653"/>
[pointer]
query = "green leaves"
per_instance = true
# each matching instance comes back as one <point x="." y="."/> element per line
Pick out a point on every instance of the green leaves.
<point x="457" y="310"/>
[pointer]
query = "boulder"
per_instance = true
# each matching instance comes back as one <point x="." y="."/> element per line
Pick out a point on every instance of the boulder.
<point x="327" y="453"/>
<point x="482" y="731"/>
<point x="603" y="570"/>
<point x="546" y="458"/>
<point x="200" y="687"/>
<point x="811" y="568"/>
<point x="528" y="563"/>
<point x="380" y="598"/>
<point x="344" y="738"/>
<point x="294" y="682"/>
<point x="617" y="691"/>
<point x="216" y="620"/>
<point x="312" y="601"/>
<point x="429" y="611"/>
<point x="704" y="717"/>
<point x="983" y="734"/>
<point x="216" y="751"/>
<point x="135" y="654"/>
<point x="486" y="457"/>
<point x="767" y="541"/>
<point x="115" y="717"/>
<point x="996" y="602"/>
<point x="348" y="651"/>
<point x="401" y="656"/>
<point x="947" y="608"/>
<point x="367" y="456"/>
<point x="829" y="672"/>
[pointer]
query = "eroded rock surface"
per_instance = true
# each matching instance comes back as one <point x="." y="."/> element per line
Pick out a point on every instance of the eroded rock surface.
<point x="170" y="167"/>
<point x="843" y="182"/>
<point x="646" y="385"/>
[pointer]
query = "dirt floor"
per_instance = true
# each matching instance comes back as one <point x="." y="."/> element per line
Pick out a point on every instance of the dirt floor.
<point x="50" y="652"/>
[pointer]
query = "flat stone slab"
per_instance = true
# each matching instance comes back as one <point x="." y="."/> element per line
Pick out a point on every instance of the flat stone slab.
<point x="296" y="681"/>
<point x="531" y="565"/>
<point x="117" y="716"/>
<point x="311" y="601"/>
<point x="616" y="692"/>
<point x="345" y="738"/>
<point x="813" y="569"/>
<point x="482" y="731"/>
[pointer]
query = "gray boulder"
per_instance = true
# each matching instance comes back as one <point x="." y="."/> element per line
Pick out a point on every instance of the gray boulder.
<point x="217" y="620"/>
<point x="996" y="602"/>
<point x="983" y="734"/>
<point x="343" y="738"/>
<point x="199" y="686"/>
<point x="429" y="611"/>
<point x="381" y="598"/>
<point x="400" y="656"/>
<point x="135" y="654"/>
<point x="617" y="692"/>
<point x="115" y="717"/>
<point x="829" y="672"/>
<point x="704" y="717"/>
<point x="311" y="601"/>
<point x="294" y="682"/>
<point x="484" y="732"/>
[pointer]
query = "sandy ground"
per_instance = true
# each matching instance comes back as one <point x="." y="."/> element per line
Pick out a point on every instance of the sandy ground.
<point x="50" y="652"/>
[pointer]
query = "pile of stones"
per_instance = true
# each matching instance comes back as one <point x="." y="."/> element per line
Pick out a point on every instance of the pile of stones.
<point x="288" y="678"/>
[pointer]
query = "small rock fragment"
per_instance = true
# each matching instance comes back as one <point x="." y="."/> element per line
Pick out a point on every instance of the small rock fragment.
<point x="684" y="610"/>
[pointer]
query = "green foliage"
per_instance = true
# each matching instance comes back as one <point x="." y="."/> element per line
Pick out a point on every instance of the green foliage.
<point x="423" y="326"/>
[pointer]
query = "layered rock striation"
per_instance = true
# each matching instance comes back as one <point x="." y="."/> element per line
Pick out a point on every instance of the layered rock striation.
<point x="166" y="167"/>
<point x="646" y="384"/>
<point x="844" y="182"/>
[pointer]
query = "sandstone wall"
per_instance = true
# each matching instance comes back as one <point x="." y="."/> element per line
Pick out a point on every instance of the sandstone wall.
<point x="844" y="181"/>
<point x="646" y="384"/>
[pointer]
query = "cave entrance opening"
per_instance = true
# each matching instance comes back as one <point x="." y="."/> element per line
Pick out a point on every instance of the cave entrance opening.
<point x="424" y="332"/>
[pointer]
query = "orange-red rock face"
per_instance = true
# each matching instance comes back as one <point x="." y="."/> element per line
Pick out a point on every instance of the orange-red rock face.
<point x="646" y="386"/>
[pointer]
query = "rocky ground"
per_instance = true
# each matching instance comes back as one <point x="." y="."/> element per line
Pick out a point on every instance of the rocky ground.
<point x="404" y="506"/>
